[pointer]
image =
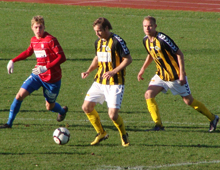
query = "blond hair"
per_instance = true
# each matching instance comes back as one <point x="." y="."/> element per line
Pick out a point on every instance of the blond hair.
<point x="37" y="19"/>
<point x="150" y="18"/>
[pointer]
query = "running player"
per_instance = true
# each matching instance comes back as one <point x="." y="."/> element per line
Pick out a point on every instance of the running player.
<point x="112" y="57"/>
<point x="46" y="74"/>
<point x="170" y="73"/>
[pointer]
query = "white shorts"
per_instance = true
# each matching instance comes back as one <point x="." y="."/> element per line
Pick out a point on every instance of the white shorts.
<point x="112" y="94"/>
<point x="174" y="86"/>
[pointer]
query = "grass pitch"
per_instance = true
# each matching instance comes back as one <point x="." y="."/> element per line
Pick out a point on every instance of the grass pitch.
<point x="185" y="144"/>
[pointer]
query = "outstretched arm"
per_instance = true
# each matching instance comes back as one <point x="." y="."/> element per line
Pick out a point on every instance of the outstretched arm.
<point x="22" y="56"/>
<point x="92" y="67"/>
<point x="147" y="62"/>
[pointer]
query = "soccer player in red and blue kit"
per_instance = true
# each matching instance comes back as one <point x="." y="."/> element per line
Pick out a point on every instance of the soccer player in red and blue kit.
<point x="46" y="74"/>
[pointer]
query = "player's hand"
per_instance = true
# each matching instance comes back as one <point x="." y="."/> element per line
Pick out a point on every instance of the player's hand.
<point x="108" y="74"/>
<point x="39" y="69"/>
<point x="139" y="76"/>
<point x="84" y="74"/>
<point x="182" y="80"/>
<point x="10" y="67"/>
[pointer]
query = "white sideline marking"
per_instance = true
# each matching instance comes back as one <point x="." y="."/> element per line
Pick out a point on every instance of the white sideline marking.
<point x="162" y="166"/>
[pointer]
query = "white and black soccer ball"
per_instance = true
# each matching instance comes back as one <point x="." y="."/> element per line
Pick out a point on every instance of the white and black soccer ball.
<point x="61" y="136"/>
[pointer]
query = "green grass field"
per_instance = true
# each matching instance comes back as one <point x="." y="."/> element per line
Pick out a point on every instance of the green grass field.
<point x="185" y="144"/>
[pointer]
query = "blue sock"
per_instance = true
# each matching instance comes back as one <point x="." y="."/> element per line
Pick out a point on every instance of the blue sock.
<point x="57" y="108"/>
<point x="15" y="107"/>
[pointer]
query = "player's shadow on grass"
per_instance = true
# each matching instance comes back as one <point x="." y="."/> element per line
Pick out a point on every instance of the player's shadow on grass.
<point x="194" y="129"/>
<point x="34" y="111"/>
<point x="102" y="144"/>
<point x="7" y="110"/>
<point x="89" y="127"/>
<point x="132" y="112"/>
<point x="181" y="146"/>
<point x="4" y="110"/>
<point x="75" y="152"/>
<point x="201" y="129"/>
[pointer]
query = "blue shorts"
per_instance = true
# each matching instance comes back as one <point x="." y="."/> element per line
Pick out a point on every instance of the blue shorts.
<point x="50" y="90"/>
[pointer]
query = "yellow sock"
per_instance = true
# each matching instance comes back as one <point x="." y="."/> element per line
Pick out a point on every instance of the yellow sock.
<point x="95" y="121"/>
<point x="154" y="111"/>
<point x="200" y="107"/>
<point x="119" y="124"/>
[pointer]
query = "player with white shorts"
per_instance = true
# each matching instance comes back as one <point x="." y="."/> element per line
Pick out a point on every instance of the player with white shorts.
<point x="111" y="59"/>
<point x="175" y="87"/>
<point x="170" y="73"/>
<point x="112" y="94"/>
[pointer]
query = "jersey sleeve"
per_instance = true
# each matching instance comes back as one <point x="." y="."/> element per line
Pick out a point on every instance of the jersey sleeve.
<point x="96" y="45"/>
<point x="145" y="43"/>
<point x="168" y="43"/>
<point x="57" y="49"/>
<point x="121" y="46"/>
<point x="25" y="54"/>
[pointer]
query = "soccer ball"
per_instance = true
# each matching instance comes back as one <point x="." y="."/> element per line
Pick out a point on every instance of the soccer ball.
<point x="61" y="136"/>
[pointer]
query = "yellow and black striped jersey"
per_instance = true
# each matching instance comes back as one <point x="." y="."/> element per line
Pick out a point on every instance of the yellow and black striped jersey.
<point x="163" y="50"/>
<point x="110" y="54"/>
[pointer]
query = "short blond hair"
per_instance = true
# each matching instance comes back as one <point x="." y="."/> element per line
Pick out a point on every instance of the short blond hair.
<point x="150" y="18"/>
<point x="37" y="19"/>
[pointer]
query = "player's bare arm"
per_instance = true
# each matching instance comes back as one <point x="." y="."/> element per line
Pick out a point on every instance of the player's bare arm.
<point x="147" y="62"/>
<point x="126" y="61"/>
<point x="92" y="67"/>
<point x="180" y="58"/>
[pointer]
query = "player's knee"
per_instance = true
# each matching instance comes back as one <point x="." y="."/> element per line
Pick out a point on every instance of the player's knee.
<point x="147" y="95"/>
<point x="113" y="117"/>
<point x="49" y="106"/>
<point x="113" y="114"/>
<point x="86" y="108"/>
<point x="19" y="97"/>
<point x="188" y="100"/>
<point x="22" y="94"/>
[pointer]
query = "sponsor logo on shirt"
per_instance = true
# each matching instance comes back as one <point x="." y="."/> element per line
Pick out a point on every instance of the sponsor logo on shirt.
<point x="108" y="49"/>
<point x="40" y="54"/>
<point x="156" y="48"/>
<point x="104" y="56"/>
